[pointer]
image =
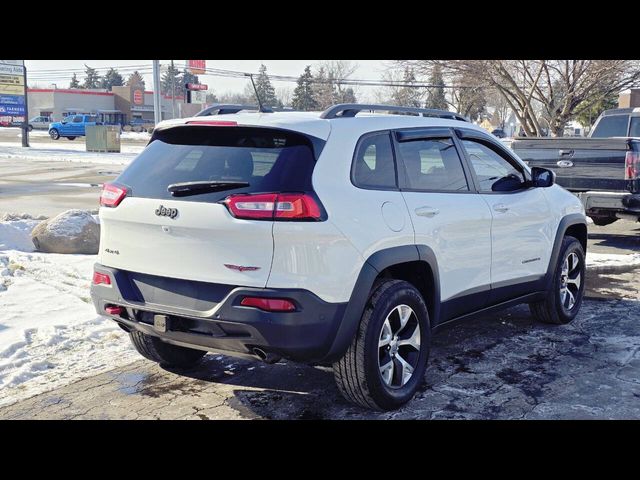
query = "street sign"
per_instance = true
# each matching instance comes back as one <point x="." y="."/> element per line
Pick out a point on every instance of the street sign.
<point x="196" y="96"/>
<point x="197" y="67"/>
<point x="196" y="86"/>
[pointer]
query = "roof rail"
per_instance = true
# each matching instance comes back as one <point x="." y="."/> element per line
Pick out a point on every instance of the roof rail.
<point x="225" y="109"/>
<point x="344" y="110"/>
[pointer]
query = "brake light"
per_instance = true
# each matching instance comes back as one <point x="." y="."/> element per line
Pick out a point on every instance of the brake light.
<point x="220" y="123"/>
<point x="269" y="304"/>
<point x="101" y="279"/>
<point x="632" y="166"/>
<point x="274" y="206"/>
<point x="112" y="195"/>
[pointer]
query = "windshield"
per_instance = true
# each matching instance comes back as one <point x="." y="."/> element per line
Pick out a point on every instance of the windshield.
<point x="256" y="159"/>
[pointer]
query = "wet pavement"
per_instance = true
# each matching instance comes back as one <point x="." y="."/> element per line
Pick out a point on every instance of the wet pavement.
<point x="502" y="366"/>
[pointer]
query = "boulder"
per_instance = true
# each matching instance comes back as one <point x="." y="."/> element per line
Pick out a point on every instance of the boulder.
<point x="73" y="231"/>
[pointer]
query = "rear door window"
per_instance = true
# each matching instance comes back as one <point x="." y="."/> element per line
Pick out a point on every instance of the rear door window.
<point x="432" y="165"/>
<point x="611" y="126"/>
<point x="634" y="129"/>
<point x="269" y="160"/>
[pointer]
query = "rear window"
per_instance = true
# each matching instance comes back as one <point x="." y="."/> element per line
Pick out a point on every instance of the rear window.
<point x="611" y="126"/>
<point x="270" y="160"/>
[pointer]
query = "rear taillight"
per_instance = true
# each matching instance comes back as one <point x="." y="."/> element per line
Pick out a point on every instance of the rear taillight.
<point x="269" y="304"/>
<point x="112" y="195"/>
<point x="632" y="166"/>
<point x="274" y="206"/>
<point x="101" y="279"/>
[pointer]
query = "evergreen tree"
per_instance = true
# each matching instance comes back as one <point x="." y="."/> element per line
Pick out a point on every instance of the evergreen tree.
<point x="92" y="79"/>
<point x="74" y="82"/>
<point x="111" y="79"/>
<point x="136" y="79"/>
<point x="303" y="98"/>
<point x="171" y="75"/>
<point x="407" y="96"/>
<point x="435" y="95"/>
<point x="187" y="77"/>
<point x="265" y="89"/>
<point x="588" y="115"/>
<point x="348" y="96"/>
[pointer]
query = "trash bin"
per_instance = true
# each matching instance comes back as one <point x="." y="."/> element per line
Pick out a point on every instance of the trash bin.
<point x="103" y="138"/>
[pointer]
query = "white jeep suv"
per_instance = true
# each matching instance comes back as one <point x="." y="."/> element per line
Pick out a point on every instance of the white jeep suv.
<point x="339" y="238"/>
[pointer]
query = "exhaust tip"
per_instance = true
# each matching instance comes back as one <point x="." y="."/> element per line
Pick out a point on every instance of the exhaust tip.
<point x="266" y="357"/>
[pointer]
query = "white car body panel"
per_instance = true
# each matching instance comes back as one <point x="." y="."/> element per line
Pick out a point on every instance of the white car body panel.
<point x="195" y="245"/>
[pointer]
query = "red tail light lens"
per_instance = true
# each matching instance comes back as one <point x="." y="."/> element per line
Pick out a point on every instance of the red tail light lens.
<point x="274" y="206"/>
<point x="269" y="304"/>
<point x="101" y="279"/>
<point x="112" y="195"/>
<point x="632" y="166"/>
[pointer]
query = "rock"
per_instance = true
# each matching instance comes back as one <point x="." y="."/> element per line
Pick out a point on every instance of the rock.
<point x="73" y="231"/>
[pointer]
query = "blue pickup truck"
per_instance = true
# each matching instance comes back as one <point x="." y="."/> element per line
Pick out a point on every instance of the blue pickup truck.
<point x="72" y="126"/>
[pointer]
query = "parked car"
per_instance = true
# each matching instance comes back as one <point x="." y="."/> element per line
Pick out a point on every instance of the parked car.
<point x="71" y="126"/>
<point x="261" y="234"/>
<point x="498" y="132"/>
<point x="39" y="123"/>
<point x="140" y="124"/>
<point x="602" y="170"/>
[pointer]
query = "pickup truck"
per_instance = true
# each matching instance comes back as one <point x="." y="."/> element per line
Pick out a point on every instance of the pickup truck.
<point x="72" y="126"/>
<point x="603" y="170"/>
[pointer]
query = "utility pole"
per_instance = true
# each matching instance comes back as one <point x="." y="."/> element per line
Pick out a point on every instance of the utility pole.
<point x="25" y="124"/>
<point x="173" y="91"/>
<point x="157" y="112"/>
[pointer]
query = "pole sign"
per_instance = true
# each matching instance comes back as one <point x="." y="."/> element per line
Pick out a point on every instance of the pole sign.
<point x="196" y="96"/>
<point x="196" y="86"/>
<point x="197" y="67"/>
<point x="12" y="89"/>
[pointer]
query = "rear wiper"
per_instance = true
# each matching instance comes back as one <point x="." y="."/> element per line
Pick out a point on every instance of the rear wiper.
<point x="196" y="188"/>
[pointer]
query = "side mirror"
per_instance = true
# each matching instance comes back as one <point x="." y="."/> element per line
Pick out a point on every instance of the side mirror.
<point x="542" y="177"/>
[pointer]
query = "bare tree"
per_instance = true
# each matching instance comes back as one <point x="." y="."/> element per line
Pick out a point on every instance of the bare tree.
<point x="556" y="90"/>
<point x="340" y="70"/>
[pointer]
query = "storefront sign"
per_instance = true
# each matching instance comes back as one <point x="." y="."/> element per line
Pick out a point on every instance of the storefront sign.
<point x="197" y="67"/>
<point x="138" y="97"/>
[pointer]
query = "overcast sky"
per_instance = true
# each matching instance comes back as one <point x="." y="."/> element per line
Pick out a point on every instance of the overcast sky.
<point x="367" y="70"/>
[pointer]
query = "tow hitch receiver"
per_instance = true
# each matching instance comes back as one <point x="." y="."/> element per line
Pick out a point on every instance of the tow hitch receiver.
<point x="160" y="323"/>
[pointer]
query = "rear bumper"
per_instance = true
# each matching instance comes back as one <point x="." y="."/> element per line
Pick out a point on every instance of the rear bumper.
<point x="305" y="335"/>
<point x="610" y="203"/>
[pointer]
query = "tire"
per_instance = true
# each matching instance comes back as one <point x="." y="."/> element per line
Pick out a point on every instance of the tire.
<point x="152" y="348"/>
<point x="603" y="221"/>
<point x="556" y="308"/>
<point x="71" y="138"/>
<point x="54" y="134"/>
<point x="359" y="373"/>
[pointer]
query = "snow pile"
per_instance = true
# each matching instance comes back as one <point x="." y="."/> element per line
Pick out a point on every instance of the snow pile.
<point x="135" y="136"/>
<point x="67" y="152"/>
<point x="17" y="235"/>
<point x="50" y="334"/>
<point x="612" y="261"/>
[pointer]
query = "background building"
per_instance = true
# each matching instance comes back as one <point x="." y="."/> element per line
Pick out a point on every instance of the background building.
<point x="129" y="102"/>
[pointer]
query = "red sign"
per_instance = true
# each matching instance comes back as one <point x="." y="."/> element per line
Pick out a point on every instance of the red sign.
<point x="197" y="67"/>
<point x="197" y="86"/>
<point x="138" y="97"/>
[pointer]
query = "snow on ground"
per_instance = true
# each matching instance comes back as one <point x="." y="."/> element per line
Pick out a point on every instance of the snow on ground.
<point x="68" y="152"/>
<point x="50" y="334"/>
<point x="595" y="260"/>
<point x="124" y="135"/>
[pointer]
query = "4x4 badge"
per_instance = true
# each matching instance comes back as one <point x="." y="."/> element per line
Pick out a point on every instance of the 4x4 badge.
<point x="162" y="211"/>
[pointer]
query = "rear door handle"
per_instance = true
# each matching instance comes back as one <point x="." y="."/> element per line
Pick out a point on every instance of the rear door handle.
<point x="500" y="207"/>
<point x="428" y="212"/>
